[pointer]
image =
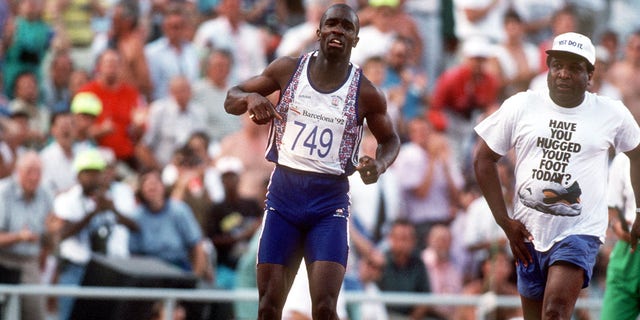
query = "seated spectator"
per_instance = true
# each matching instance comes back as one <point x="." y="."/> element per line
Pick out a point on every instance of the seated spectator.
<point x="444" y="276"/>
<point x="233" y="221"/>
<point x="57" y="173"/>
<point x="516" y="60"/>
<point x="404" y="271"/>
<point x="172" y="54"/>
<point x="497" y="278"/>
<point x="210" y="92"/>
<point x="87" y="214"/>
<point x="24" y="43"/>
<point x="26" y="108"/>
<point x="461" y="94"/>
<point x="56" y="94"/>
<point x="168" y="230"/>
<point x="171" y="121"/>
<point x="25" y="238"/>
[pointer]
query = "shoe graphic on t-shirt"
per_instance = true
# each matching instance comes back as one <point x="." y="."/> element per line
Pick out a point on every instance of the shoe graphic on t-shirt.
<point x="552" y="198"/>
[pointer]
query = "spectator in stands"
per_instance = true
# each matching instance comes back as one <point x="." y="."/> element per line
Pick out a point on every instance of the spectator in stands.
<point x="28" y="111"/>
<point x="374" y="206"/>
<point x="461" y="94"/>
<point x="171" y="55"/>
<point x="482" y="234"/>
<point x="564" y="20"/>
<point x="9" y="134"/>
<point x="168" y="230"/>
<point x="444" y="276"/>
<point x="302" y="37"/>
<point x="127" y="38"/>
<point x="516" y="60"/>
<point x="210" y="92"/>
<point x="72" y="21"/>
<point x="479" y="18"/>
<point x="85" y="108"/>
<point x="199" y="143"/>
<point x="600" y="83"/>
<point x="406" y="80"/>
<point x="243" y="144"/>
<point x="623" y="74"/>
<point x="115" y="126"/>
<point x="428" y="16"/>
<point x="171" y="121"/>
<point x="428" y="177"/>
<point x="496" y="279"/>
<point x="124" y="200"/>
<point x="376" y="36"/>
<point x="25" y="238"/>
<point x="233" y="221"/>
<point x="56" y="94"/>
<point x="610" y="40"/>
<point x="536" y="17"/>
<point x="188" y="184"/>
<point x="57" y="170"/>
<point x="375" y="68"/>
<point x="24" y="43"/>
<point x="87" y="214"/>
<point x="230" y="31"/>
<point x="404" y="271"/>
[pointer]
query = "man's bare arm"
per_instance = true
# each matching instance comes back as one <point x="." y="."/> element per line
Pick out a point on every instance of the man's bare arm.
<point x="634" y="159"/>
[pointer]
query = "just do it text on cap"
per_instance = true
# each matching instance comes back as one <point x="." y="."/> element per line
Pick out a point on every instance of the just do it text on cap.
<point x="574" y="43"/>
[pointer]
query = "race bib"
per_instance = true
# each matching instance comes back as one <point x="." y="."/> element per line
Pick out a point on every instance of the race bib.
<point x="312" y="134"/>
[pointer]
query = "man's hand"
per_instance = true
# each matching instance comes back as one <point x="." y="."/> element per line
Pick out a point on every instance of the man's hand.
<point x="369" y="169"/>
<point x="517" y="233"/>
<point x="634" y="233"/>
<point x="260" y="109"/>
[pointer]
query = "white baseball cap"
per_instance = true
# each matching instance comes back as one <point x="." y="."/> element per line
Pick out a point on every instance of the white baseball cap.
<point x="477" y="47"/>
<point x="574" y="43"/>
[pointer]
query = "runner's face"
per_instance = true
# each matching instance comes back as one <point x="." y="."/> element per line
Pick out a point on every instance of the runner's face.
<point x="567" y="79"/>
<point x="338" y="31"/>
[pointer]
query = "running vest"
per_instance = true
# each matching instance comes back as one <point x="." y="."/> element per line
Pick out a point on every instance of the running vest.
<point x="319" y="131"/>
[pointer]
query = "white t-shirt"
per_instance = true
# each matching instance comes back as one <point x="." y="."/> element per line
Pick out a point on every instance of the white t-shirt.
<point x="620" y="189"/>
<point x="561" y="160"/>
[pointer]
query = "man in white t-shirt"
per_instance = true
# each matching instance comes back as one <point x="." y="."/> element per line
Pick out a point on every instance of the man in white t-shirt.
<point x="561" y="138"/>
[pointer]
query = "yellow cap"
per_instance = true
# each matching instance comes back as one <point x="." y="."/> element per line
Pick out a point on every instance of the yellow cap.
<point x="380" y="3"/>
<point x="90" y="159"/>
<point x="87" y="103"/>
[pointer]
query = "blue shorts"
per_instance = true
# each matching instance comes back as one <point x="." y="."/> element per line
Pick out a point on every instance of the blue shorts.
<point x="579" y="250"/>
<point x="306" y="215"/>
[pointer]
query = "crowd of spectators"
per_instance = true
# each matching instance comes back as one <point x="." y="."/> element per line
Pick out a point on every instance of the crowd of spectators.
<point x="114" y="139"/>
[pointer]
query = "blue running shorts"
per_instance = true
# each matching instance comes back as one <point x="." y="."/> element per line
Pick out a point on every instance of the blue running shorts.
<point x="580" y="250"/>
<point x="306" y="215"/>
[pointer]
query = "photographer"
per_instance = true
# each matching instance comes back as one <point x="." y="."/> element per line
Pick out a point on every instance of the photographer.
<point x="88" y="216"/>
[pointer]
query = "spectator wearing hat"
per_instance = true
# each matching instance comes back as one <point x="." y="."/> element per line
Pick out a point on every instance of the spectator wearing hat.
<point x="232" y="223"/>
<point x="234" y="220"/>
<point x="24" y="235"/>
<point x="461" y="94"/>
<point x="85" y="108"/>
<point x="87" y="216"/>
<point x="117" y="126"/>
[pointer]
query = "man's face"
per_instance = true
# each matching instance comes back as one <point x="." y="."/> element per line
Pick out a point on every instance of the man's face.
<point x="567" y="79"/>
<point x="29" y="176"/>
<point x="338" y="31"/>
